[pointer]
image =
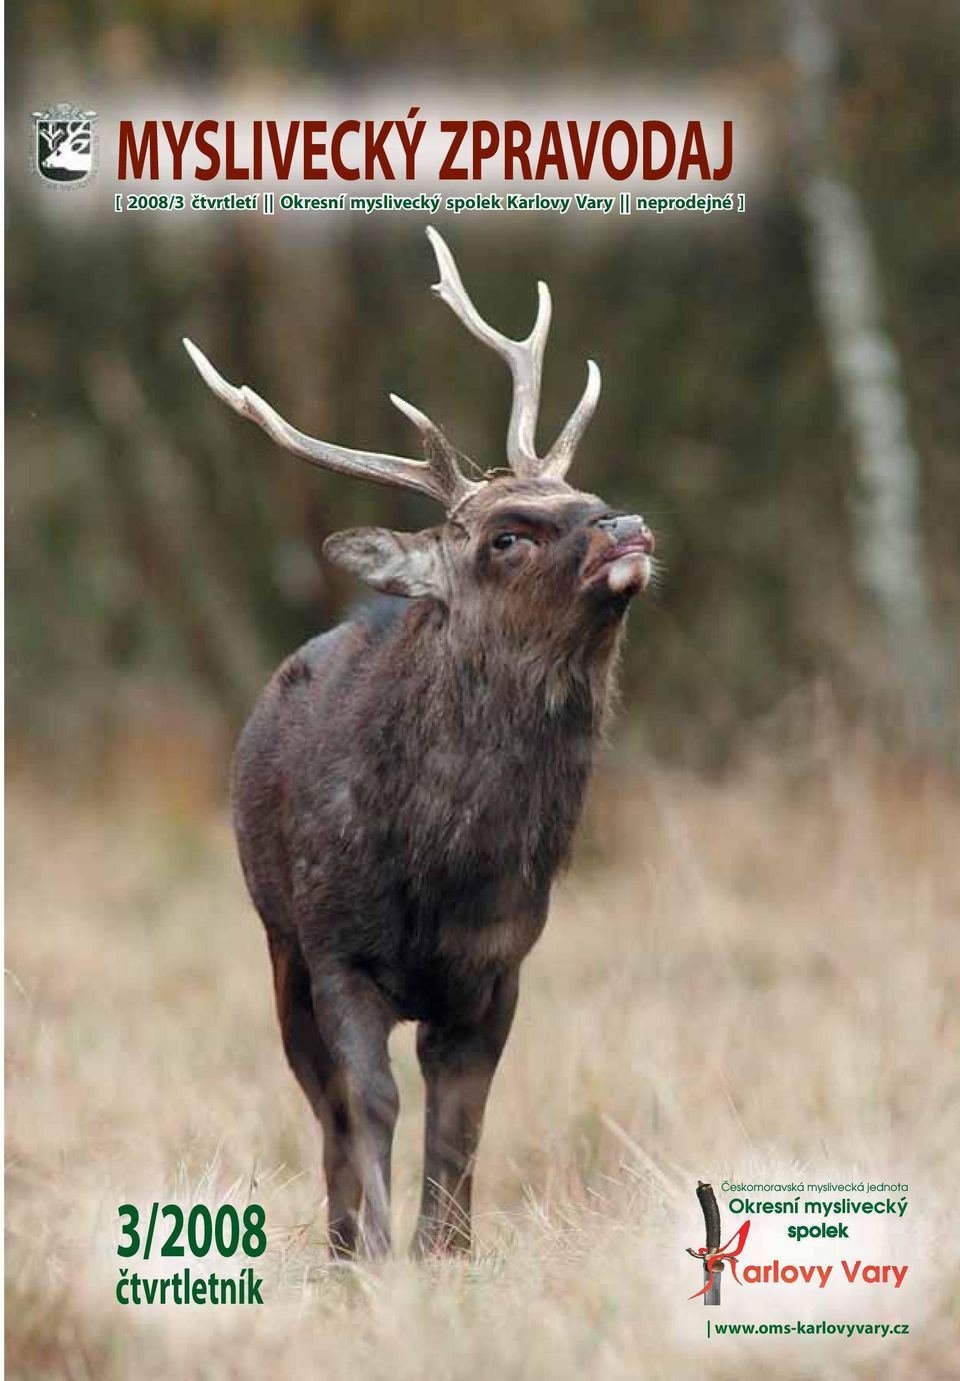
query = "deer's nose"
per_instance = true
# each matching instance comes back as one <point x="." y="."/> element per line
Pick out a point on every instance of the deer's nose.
<point x="629" y="527"/>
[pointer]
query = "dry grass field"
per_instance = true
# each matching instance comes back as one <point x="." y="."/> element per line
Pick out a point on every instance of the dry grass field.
<point x="755" y="978"/>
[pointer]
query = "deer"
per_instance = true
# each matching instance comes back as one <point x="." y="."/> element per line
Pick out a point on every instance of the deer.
<point x="73" y="150"/>
<point x="408" y="787"/>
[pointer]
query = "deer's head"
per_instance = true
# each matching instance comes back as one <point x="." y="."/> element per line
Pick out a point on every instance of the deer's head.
<point x="73" y="150"/>
<point x="523" y="548"/>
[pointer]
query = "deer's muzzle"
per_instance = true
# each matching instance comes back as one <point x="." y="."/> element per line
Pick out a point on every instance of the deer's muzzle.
<point x="620" y="557"/>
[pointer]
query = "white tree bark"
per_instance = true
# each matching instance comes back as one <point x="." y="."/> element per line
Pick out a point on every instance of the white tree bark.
<point x="888" y="545"/>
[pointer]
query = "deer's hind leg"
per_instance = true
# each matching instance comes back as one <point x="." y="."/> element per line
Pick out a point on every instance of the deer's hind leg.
<point x="335" y="1026"/>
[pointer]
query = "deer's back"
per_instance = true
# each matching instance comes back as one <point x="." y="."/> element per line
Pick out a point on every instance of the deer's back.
<point x="295" y="741"/>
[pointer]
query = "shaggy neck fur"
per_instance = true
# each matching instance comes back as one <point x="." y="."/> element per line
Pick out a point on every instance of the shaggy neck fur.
<point x="491" y="741"/>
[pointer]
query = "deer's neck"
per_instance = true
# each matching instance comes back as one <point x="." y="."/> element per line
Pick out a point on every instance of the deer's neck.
<point x="499" y="742"/>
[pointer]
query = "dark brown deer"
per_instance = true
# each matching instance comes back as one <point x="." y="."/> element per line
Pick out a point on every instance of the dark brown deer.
<point x="408" y="786"/>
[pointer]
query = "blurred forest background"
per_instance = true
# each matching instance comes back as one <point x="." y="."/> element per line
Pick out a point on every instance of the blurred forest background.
<point x="782" y="424"/>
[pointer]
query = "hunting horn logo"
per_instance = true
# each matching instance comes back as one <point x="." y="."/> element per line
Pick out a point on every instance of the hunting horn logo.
<point x="64" y="151"/>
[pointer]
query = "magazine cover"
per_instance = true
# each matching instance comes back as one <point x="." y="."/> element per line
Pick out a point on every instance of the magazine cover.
<point x="482" y="753"/>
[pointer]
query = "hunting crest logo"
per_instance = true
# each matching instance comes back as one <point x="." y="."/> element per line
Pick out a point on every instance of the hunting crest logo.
<point x="64" y="151"/>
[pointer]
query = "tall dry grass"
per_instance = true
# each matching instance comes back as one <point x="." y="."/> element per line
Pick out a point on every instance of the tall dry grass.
<point x="755" y="978"/>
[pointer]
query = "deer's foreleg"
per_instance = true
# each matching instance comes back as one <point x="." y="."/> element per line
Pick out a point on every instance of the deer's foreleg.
<point x="458" y="1064"/>
<point x="335" y="1025"/>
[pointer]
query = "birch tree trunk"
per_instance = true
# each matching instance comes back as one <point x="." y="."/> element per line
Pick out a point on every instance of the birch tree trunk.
<point x="888" y="544"/>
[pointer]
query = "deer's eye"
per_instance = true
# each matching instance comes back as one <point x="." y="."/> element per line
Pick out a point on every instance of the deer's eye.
<point x="508" y="539"/>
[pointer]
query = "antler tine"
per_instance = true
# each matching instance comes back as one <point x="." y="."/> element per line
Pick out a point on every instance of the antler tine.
<point x="438" y="476"/>
<point x="525" y="360"/>
<point x="563" y="449"/>
<point x="441" y="455"/>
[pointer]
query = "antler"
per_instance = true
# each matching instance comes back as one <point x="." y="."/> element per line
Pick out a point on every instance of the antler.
<point x="525" y="360"/>
<point x="438" y="476"/>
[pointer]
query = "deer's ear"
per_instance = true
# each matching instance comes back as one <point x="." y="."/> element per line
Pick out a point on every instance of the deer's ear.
<point x="399" y="563"/>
